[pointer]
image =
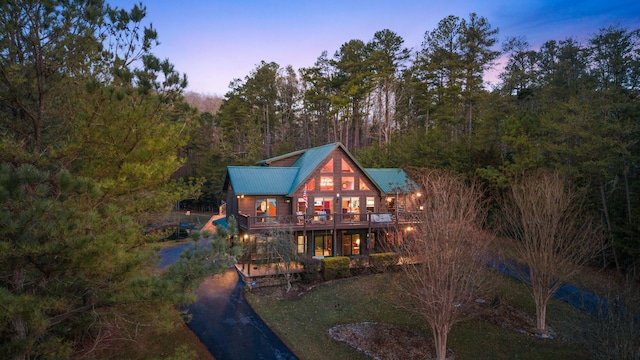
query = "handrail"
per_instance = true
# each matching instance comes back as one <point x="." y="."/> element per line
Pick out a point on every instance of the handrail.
<point x="321" y="220"/>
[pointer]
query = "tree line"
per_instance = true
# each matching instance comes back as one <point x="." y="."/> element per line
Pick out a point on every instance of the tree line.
<point x="567" y="106"/>
<point x="91" y="124"/>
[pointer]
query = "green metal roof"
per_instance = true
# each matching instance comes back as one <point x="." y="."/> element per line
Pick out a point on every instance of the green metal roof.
<point x="261" y="180"/>
<point x="391" y="180"/>
<point x="277" y="180"/>
<point x="309" y="161"/>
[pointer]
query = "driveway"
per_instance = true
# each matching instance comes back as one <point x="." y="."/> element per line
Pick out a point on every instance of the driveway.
<point x="228" y="326"/>
<point x="224" y="321"/>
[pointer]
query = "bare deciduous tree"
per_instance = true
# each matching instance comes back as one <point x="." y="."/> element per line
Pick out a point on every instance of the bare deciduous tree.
<point x="447" y="251"/>
<point x="281" y="253"/>
<point x="552" y="233"/>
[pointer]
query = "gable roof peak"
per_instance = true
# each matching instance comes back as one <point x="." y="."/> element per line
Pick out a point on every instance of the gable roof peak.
<point x="269" y="161"/>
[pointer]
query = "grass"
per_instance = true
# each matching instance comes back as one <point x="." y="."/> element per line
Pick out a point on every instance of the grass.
<point x="303" y="324"/>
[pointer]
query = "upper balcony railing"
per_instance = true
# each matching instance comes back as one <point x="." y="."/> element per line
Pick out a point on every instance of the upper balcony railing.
<point x="325" y="221"/>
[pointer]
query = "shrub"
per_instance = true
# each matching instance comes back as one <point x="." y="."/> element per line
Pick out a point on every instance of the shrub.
<point x="336" y="267"/>
<point x="359" y="264"/>
<point x="310" y="270"/>
<point x="383" y="261"/>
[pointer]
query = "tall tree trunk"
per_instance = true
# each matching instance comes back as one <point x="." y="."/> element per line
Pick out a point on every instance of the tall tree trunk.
<point x="541" y="315"/>
<point x="380" y="122"/>
<point x="357" y="124"/>
<point x="540" y="289"/>
<point x="470" y="118"/>
<point x="605" y="210"/>
<point x="387" y="116"/>
<point x="440" y="341"/>
<point x="17" y="323"/>
<point x="627" y="193"/>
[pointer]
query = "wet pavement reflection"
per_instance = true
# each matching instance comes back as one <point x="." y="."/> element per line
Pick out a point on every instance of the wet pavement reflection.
<point x="228" y="326"/>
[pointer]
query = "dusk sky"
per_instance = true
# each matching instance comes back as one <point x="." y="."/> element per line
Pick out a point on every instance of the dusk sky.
<point x="214" y="42"/>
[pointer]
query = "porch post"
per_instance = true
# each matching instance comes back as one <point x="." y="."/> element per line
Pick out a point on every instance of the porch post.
<point x="249" y="251"/>
<point x="368" y="239"/>
<point x="335" y="235"/>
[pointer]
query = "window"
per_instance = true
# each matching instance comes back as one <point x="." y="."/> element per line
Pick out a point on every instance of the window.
<point x="302" y="244"/>
<point x="371" y="240"/>
<point x="363" y="185"/>
<point x="371" y="204"/>
<point x="328" y="167"/>
<point x="323" y="245"/>
<point x="323" y="208"/>
<point x="391" y="205"/>
<point x="326" y="183"/>
<point x="350" y="208"/>
<point x="348" y="183"/>
<point x="351" y="244"/>
<point x="311" y="185"/>
<point x="302" y="205"/>
<point x="345" y="167"/>
<point x="266" y="209"/>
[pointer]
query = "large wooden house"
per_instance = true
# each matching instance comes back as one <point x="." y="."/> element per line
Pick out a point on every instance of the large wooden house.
<point x="324" y="198"/>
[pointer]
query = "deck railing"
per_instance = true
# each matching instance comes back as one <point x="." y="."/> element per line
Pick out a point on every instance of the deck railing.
<point x="318" y="221"/>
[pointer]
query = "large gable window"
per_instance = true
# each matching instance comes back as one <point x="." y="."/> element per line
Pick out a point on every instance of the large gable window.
<point x="326" y="183"/>
<point x="363" y="185"/>
<point x="311" y="185"/>
<point x="346" y="168"/>
<point x="328" y="167"/>
<point x="348" y="182"/>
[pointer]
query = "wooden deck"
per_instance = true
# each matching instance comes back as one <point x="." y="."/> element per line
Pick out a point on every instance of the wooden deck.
<point x="328" y="221"/>
<point x="255" y="270"/>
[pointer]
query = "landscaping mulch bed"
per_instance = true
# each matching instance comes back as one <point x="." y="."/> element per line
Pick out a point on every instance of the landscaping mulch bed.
<point x="384" y="342"/>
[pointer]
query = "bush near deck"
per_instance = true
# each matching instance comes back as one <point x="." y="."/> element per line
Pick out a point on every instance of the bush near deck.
<point x="383" y="261"/>
<point x="335" y="267"/>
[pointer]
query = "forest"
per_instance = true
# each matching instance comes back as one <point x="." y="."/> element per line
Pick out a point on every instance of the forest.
<point x="97" y="136"/>
<point x="568" y="106"/>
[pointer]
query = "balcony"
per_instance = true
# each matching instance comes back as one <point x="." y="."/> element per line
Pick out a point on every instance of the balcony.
<point x="324" y="221"/>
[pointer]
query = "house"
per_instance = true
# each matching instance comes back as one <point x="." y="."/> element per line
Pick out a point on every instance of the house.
<point x="324" y="198"/>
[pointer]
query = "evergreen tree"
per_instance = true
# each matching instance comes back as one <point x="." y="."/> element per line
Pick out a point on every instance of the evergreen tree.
<point x="91" y="124"/>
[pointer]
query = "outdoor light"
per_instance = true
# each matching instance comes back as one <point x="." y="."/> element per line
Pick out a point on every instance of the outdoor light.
<point x="418" y="194"/>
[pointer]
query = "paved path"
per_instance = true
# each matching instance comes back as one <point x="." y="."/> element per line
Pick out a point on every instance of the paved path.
<point x="222" y="318"/>
<point x="228" y="326"/>
<point x="580" y="299"/>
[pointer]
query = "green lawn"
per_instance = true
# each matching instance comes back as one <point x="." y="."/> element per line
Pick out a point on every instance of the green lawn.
<point x="303" y="324"/>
